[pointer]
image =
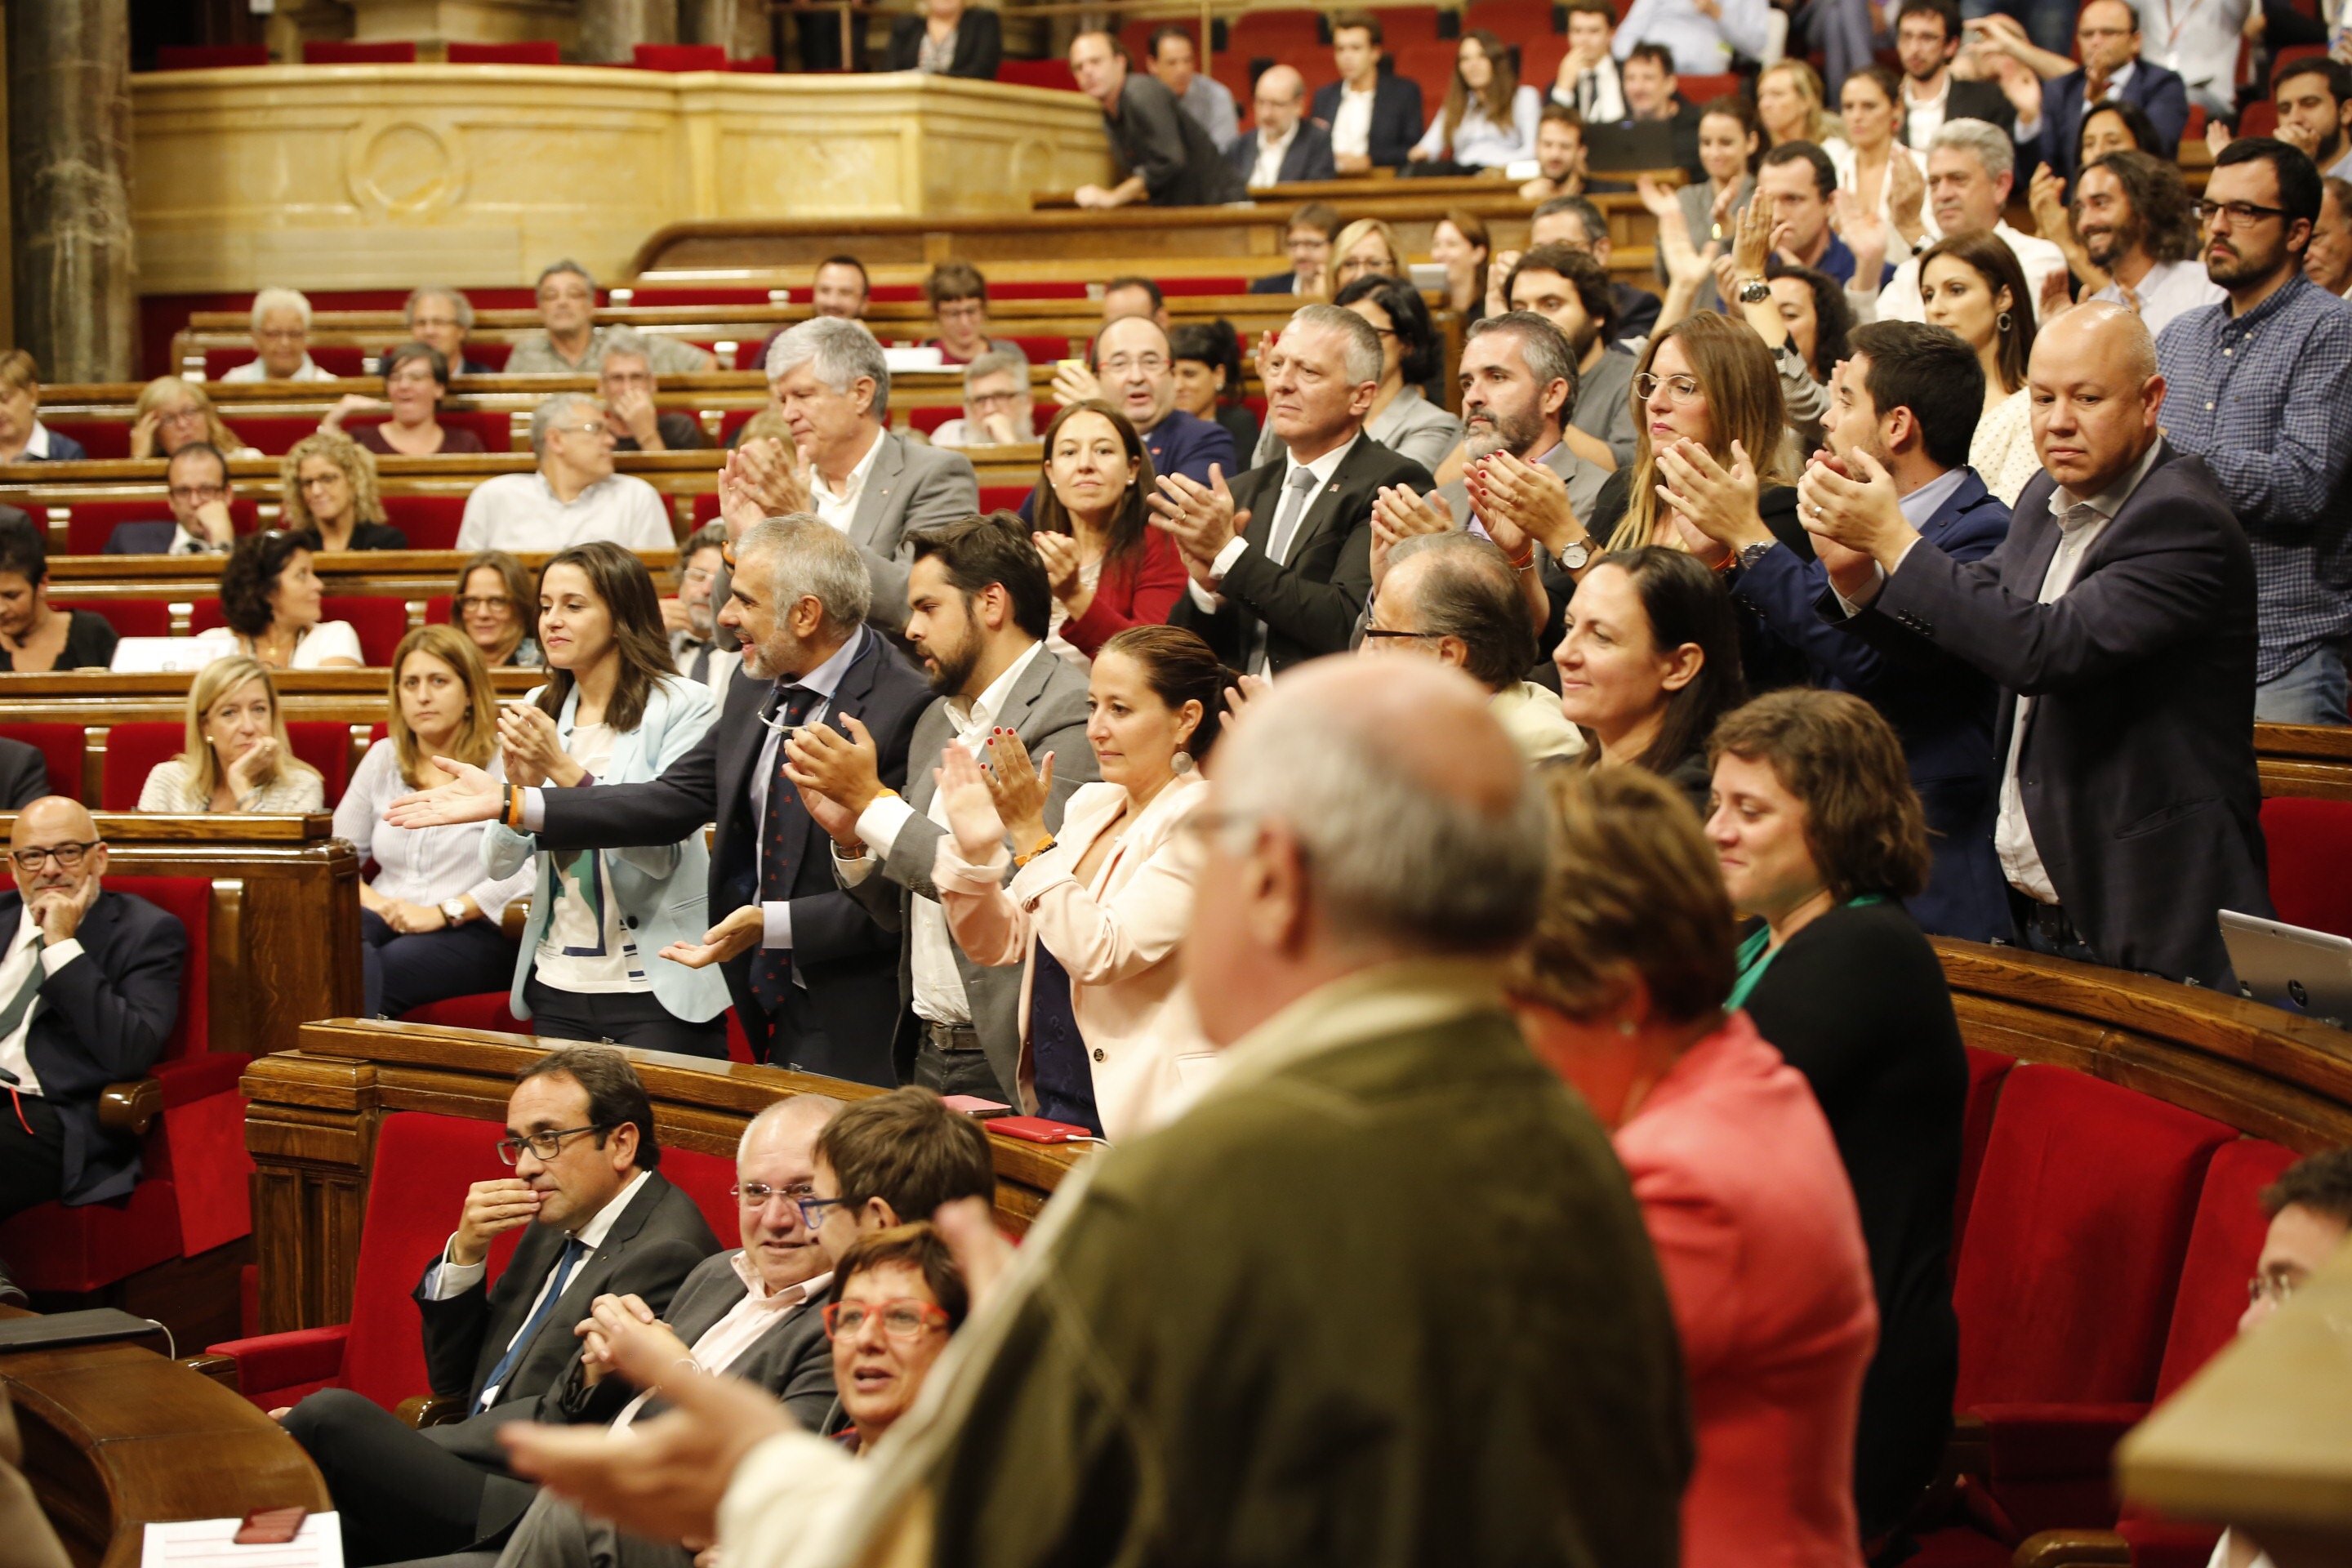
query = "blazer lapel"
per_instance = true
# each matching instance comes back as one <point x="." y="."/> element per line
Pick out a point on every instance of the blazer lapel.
<point x="873" y="501"/>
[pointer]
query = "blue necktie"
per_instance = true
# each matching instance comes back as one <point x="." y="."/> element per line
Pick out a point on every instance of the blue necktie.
<point x="574" y="1249"/>
<point x="782" y="836"/>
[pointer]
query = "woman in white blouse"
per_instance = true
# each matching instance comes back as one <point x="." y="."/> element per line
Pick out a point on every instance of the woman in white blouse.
<point x="429" y="919"/>
<point x="1872" y="102"/>
<point x="1488" y="119"/>
<point x="1972" y="284"/>
<point x="270" y="598"/>
<point x="236" y="756"/>
<point x="1098" y="914"/>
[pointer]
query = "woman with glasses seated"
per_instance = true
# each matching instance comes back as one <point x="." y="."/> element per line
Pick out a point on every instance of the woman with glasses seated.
<point x="172" y="412"/>
<point x="270" y="599"/>
<point x="429" y="919"/>
<point x="415" y="380"/>
<point x="1108" y="567"/>
<point x="237" y="757"/>
<point x="36" y="636"/>
<point x="613" y="710"/>
<point x="491" y="607"/>
<point x="329" y="491"/>
<point x="1097" y="912"/>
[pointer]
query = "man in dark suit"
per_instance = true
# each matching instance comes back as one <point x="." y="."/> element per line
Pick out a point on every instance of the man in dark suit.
<point x="1575" y="222"/>
<point x="1283" y="145"/>
<point x="979" y="44"/>
<point x="2107" y="34"/>
<point x="1374" y="115"/>
<point x="1900" y="425"/>
<point x="979" y="610"/>
<point x="1281" y="561"/>
<point x="1170" y="161"/>
<point x="1927" y="40"/>
<point x="1308" y="239"/>
<point x="2117" y="618"/>
<point x="601" y="1221"/>
<point x="24" y="774"/>
<point x="196" y="486"/>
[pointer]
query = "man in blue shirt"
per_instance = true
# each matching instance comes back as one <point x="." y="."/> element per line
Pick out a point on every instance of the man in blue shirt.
<point x="2261" y="387"/>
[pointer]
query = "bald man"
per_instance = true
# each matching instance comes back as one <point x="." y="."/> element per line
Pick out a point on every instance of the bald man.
<point x="90" y="986"/>
<point x="1283" y="145"/>
<point x="2117" y="618"/>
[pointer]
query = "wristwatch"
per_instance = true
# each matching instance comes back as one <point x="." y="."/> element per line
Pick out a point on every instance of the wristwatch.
<point x="1750" y="554"/>
<point x="1575" y="555"/>
<point x="1754" y="291"/>
<point x="454" y="911"/>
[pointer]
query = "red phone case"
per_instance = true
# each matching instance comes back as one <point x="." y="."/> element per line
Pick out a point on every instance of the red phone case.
<point x="1039" y="1130"/>
<point x="270" y="1526"/>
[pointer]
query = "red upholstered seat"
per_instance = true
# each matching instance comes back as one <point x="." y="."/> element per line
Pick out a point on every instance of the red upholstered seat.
<point x="430" y="522"/>
<point x="1037" y="288"/>
<point x="1987" y="1070"/>
<point x="1042" y="351"/>
<point x="489" y="352"/>
<point x="2259" y="118"/>
<point x="1187" y="288"/>
<point x="274" y="435"/>
<point x="1703" y="90"/>
<point x="132" y="749"/>
<point x="379" y="623"/>
<point x="535" y="52"/>
<point x="732" y="420"/>
<point x="351" y="52"/>
<point x="133" y="617"/>
<point x="483" y="1010"/>
<point x="1037" y="73"/>
<point x="706" y="508"/>
<point x="2311" y="861"/>
<point x="1002" y="498"/>
<point x="60" y="746"/>
<point x="326" y="746"/>
<point x="705" y="1178"/>
<point x="679" y="56"/>
<point x="88" y="523"/>
<point x="98" y="438"/>
<point x="423" y="1163"/>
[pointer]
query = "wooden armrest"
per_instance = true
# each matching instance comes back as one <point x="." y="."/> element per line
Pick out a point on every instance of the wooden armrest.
<point x="130" y="1106"/>
<point x="2073" y="1549"/>
<point x="221" y="1369"/>
<point x="431" y="1410"/>
<point x="515" y="916"/>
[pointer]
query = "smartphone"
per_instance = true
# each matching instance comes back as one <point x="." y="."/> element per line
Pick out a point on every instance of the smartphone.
<point x="1039" y="1130"/>
<point x="974" y="1105"/>
<point x="1063" y="364"/>
<point x="270" y="1526"/>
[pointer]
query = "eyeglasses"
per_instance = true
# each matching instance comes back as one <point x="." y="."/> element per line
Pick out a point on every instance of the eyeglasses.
<point x="813" y="1209"/>
<point x="755" y="1194"/>
<point x="1149" y="364"/>
<point x="598" y="428"/>
<point x="904" y="1319"/>
<point x="993" y="399"/>
<point x="68" y="855"/>
<point x="544" y="1145"/>
<point x="500" y="603"/>
<point x="2274" y="1288"/>
<point x="1682" y="389"/>
<point x="1382" y="634"/>
<point x="198" y="494"/>
<point x="2238" y="212"/>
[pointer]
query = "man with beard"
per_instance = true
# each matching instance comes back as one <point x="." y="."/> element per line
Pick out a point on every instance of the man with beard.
<point x="2261" y="387"/>
<point x="811" y="970"/>
<point x="2314" y="99"/>
<point x="2137" y="224"/>
<point x="2328" y="262"/>
<point x="697" y="650"/>
<point x="978" y="609"/>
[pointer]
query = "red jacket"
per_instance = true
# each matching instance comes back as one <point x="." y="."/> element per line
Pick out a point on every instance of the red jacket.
<point x="1139" y="590"/>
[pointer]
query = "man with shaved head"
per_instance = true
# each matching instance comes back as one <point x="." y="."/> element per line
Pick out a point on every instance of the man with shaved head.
<point x="1284" y="146"/>
<point x="90" y="986"/>
<point x="2117" y="618"/>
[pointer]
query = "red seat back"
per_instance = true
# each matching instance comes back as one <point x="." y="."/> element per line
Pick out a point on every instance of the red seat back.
<point x="189" y="900"/>
<point x="2074" y="1240"/>
<point x="430" y="522"/>
<point x="2311" y="861"/>
<point x="1002" y="498"/>
<point x="2259" y="118"/>
<point x="274" y="435"/>
<point x="1987" y="1070"/>
<point x="1188" y="287"/>
<point x="1700" y="90"/>
<point x="60" y="746"/>
<point x="2225" y="1243"/>
<point x="132" y="751"/>
<point x="1037" y="73"/>
<point x="706" y="1179"/>
<point x="98" y="438"/>
<point x="489" y="352"/>
<point x="1044" y="351"/>
<point x="89" y="523"/>
<point x="379" y="623"/>
<point x="349" y="52"/>
<point x="132" y="617"/>
<point x="679" y="56"/>
<point x="326" y="746"/>
<point x="535" y="52"/>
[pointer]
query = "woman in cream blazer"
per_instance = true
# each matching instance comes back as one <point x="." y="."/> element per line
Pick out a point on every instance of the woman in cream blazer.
<point x="1096" y="915"/>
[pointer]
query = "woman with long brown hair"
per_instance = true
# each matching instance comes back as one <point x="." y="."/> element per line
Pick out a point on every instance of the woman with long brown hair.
<point x="1108" y="567"/>
<point x="1488" y="121"/>
<point x="1459" y="243"/>
<point x="1972" y="284"/>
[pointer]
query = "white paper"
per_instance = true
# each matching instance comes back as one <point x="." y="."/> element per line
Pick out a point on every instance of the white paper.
<point x="211" y="1543"/>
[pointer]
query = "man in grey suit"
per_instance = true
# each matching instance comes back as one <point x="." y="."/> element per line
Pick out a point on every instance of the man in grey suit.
<point x="978" y="610"/>
<point x="829" y="378"/>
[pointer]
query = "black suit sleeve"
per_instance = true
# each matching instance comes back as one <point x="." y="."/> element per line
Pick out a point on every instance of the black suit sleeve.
<point x="1395" y="133"/>
<point x="906" y="35"/>
<point x="1319" y="162"/>
<point x="618" y="816"/>
<point x="120" y="1003"/>
<point x="1151" y="136"/>
<point x="979" y="45"/>
<point x="835" y="923"/>
<point x="1320" y="615"/>
<point x="454" y="1326"/>
<point x="23" y="776"/>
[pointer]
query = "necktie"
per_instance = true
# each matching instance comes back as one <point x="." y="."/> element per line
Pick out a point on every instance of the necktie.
<point x="574" y="1249"/>
<point x="1588" y="93"/>
<point x="781" y="835"/>
<point x="700" y="669"/>
<point x="1296" y="491"/>
<point x="12" y="1017"/>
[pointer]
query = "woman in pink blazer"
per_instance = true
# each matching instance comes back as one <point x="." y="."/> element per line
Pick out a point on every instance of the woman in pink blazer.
<point x="1739" y="1182"/>
<point x="1096" y="913"/>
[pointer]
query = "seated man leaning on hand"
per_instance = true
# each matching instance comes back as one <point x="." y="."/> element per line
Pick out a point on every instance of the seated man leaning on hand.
<point x="602" y="1222"/>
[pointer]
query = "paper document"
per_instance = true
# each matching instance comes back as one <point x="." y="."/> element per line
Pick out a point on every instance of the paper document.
<point x="210" y="1543"/>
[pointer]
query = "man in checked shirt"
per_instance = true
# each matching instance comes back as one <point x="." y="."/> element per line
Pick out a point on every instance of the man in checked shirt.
<point x="2261" y="387"/>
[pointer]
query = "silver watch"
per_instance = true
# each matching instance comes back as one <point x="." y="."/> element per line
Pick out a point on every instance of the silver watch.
<point x="1754" y="291"/>
<point x="1575" y="556"/>
<point x="454" y="911"/>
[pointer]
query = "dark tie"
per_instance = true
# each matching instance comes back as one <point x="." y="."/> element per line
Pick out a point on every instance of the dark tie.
<point x="574" y="1249"/>
<point x="1588" y="93"/>
<point x="700" y="671"/>
<point x="782" y="836"/>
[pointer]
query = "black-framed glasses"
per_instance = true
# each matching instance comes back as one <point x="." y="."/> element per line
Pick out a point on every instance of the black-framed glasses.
<point x="1382" y="634"/>
<point x="68" y="855"/>
<point x="2238" y="213"/>
<point x="813" y="1209"/>
<point x="544" y="1145"/>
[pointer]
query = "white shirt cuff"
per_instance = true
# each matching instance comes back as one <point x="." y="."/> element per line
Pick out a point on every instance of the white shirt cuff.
<point x="1853" y="607"/>
<point x="1233" y="551"/>
<point x="534" y="810"/>
<point x="56" y="955"/>
<point x="446" y="1279"/>
<point x="776" y="924"/>
<point x="1206" y="600"/>
<point x="851" y="869"/>
<point x="879" y="823"/>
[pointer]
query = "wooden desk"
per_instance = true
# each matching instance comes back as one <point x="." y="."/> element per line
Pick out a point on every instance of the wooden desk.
<point x="117" y="1436"/>
<point x="2308" y="760"/>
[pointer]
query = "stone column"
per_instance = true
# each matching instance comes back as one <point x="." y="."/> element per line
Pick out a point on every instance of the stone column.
<point x="69" y="178"/>
<point x="609" y="29"/>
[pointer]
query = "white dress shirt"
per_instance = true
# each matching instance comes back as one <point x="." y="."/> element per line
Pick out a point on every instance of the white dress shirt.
<point x="326" y="640"/>
<point x="939" y="986"/>
<point x="519" y="513"/>
<point x="446" y="1279"/>
<point x="776" y="915"/>
<point x="251" y="370"/>
<point x="2198" y="39"/>
<point x="1352" y="123"/>
<point x="726" y="1342"/>
<point x="14" y="970"/>
<point x="1322" y="467"/>
<point x="726" y="659"/>
<point x="1596" y="94"/>
<point x="2080" y="520"/>
<point x="1267" y="171"/>
<point x="1923" y="117"/>
<point x="839" y="507"/>
<point x="2170" y="289"/>
<point x="421" y="864"/>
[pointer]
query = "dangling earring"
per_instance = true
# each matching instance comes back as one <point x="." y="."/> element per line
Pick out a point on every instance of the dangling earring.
<point x="2002" y="322"/>
<point x="1626" y="1025"/>
<point x="1180" y="764"/>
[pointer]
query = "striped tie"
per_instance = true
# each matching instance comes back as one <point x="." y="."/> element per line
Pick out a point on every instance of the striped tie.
<point x="12" y="1017"/>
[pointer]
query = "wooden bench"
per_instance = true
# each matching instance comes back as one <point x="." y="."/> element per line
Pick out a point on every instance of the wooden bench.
<point x="2310" y="761"/>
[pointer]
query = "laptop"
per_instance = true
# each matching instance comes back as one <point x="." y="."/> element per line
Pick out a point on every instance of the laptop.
<point x="1630" y="145"/>
<point x="2290" y="967"/>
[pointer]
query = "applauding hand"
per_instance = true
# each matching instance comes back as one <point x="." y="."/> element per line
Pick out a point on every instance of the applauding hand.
<point x="1853" y="504"/>
<point x="1018" y="790"/>
<point x="1719" y="505"/>
<point x="971" y="806"/>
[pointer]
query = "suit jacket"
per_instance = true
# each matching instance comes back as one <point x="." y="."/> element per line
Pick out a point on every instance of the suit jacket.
<point x="655" y="1243"/>
<point x="1047" y="707"/>
<point x="103" y="1018"/>
<point x="1311" y="603"/>
<point x="1308" y="156"/>
<point x="1397" y="119"/>
<point x="1637" y="312"/>
<point x="1154" y="138"/>
<point x="2138" y="762"/>
<point x="23" y="776"/>
<point x="1969" y="100"/>
<point x="1285" y="284"/>
<point x="909" y="486"/>
<point x="837" y="948"/>
<point x="2158" y="93"/>
<point x="1940" y="707"/>
<point x="979" y="44"/>
<point x="140" y="539"/>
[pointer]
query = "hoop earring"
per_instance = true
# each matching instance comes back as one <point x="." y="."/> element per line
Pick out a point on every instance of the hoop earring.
<point x="2002" y="322"/>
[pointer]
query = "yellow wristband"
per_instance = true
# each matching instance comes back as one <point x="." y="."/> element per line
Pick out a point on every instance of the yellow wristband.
<point x="1038" y="848"/>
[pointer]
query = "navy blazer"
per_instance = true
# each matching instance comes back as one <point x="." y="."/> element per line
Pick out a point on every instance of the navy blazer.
<point x="2138" y="760"/>
<point x="1308" y="156"/>
<point x="2158" y="93"/>
<point x="141" y="539"/>
<point x="1284" y="283"/>
<point x="103" y="1018"/>
<point x="847" y="959"/>
<point x="1941" y="708"/>
<point x="1397" y="120"/>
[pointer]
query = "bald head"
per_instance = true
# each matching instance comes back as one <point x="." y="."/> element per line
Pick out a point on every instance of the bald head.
<point x="1281" y="99"/>
<point x="61" y="828"/>
<point x="775" y="1167"/>
<point x="799" y="1118"/>
<point x="2096" y="396"/>
<point x="1430" y="725"/>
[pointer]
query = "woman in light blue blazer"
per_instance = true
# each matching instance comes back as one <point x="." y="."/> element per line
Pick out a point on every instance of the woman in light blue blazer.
<point x="613" y="711"/>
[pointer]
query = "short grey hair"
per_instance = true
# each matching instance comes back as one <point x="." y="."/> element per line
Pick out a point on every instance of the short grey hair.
<point x="709" y="536"/>
<point x="555" y="268"/>
<point x="1543" y="345"/>
<point x="630" y="341"/>
<point x="270" y="299"/>
<point x="843" y="351"/>
<point x="458" y="303"/>
<point x="1989" y="142"/>
<point x="1391" y="857"/>
<point x="815" y="1109"/>
<point x="812" y="559"/>
<point x="543" y="418"/>
<point x="995" y="362"/>
<point x="1468" y="590"/>
<point x="1363" y="346"/>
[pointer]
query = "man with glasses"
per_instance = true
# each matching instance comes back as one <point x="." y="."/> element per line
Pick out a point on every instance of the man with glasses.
<point x="1306" y="239"/>
<point x="575" y="496"/>
<point x="1134" y="372"/>
<point x="697" y="647"/>
<point x="196" y="485"/>
<point x="627" y="385"/>
<point x="598" y="1220"/>
<point x="440" y="317"/>
<point x="89" y="986"/>
<point x="281" y="340"/>
<point x="997" y="409"/>
<point x="2261" y="387"/>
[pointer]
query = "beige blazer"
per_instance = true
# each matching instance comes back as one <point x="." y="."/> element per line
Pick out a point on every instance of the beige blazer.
<point x="1117" y="935"/>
